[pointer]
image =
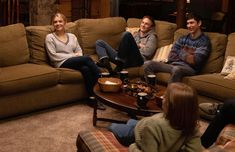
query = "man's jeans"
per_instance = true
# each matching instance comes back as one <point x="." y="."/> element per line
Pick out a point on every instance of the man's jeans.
<point x="177" y="71"/>
<point x="127" y="52"/>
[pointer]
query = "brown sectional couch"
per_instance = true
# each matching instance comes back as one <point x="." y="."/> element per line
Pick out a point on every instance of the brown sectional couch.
<point x="210" y="84"/>
<point x="29" y="83"/>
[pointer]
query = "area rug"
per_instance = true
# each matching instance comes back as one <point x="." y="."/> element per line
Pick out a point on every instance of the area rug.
<point x="53" y="130"/>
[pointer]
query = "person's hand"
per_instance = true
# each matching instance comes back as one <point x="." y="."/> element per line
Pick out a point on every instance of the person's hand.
<point x="189" y="50"/>
<point x="141" y="45"/>
<point x="78" y="53"/>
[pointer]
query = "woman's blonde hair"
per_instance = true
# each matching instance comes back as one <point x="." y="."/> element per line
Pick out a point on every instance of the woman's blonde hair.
<point x="58" y="14"/>
<point x="182" y="110"/>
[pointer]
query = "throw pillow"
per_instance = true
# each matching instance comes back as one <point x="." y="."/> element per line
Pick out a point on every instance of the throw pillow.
<point x="132" y="30"/>
<point x="162" y="53"/>
<point x="229" y="65"/>
<point x="230" y="76"/>
<point x="226" y="135"/>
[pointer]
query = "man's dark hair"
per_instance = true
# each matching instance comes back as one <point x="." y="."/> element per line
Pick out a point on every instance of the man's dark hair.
<point x="195" y="16"/>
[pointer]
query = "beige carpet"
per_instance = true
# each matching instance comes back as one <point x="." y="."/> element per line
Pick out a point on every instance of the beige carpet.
<point x="52" y="130"/>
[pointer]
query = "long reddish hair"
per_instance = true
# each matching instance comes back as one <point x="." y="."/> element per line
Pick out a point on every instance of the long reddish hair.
<point x="182" y="107"/>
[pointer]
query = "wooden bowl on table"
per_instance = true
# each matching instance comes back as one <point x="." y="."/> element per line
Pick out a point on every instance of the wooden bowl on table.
<point x="109" y="84"/>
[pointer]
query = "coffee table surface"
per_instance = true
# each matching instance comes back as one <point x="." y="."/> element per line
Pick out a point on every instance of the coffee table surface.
<point x="124" y="102"/>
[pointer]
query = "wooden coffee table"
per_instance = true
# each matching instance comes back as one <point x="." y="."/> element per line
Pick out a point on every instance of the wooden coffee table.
<point x="126" y="103"/>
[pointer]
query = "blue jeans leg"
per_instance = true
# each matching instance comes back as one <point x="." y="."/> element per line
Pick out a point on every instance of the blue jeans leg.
<point x="104" y="50"/>
<point x="124" y="132"/>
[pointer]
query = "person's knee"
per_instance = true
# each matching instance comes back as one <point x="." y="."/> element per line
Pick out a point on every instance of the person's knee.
<point x="99" y="42"/>
<point x="127" y="35"/>
<point x="88" y="59"/>
<point x="148" y="67"/>
<point x="176" y="70"/>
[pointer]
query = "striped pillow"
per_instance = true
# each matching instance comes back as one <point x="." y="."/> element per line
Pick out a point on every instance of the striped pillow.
<point x="162" y="53"/>
<point x="132" y="30"/>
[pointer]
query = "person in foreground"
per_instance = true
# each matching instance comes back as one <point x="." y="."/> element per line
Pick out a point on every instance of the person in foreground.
<point x="65" y="52"/>
<point x="188" y="54"/>
<point x="226" y="115"/>
<point x="132" y="51"/>
<point x="173" y="130"/>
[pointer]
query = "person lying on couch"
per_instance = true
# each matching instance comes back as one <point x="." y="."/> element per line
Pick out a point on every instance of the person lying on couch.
<point x="173" y="130"/>
<point x="132" y="51"/>
<point x="225" y="115"/>
<point x="65" y="52"/>
<point x="188" y="54"/>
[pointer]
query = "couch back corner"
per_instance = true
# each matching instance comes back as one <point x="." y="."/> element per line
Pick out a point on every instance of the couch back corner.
<point x="36" y="40"/>
<point x="230" y="49"/>
<point x="14" y="47"/>
<point x="109" y="29"/>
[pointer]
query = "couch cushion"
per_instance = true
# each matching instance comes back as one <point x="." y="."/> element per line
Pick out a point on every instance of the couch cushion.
<point x="98" y="141"/>
<point x="229" y="65"/>
<point x="108" y="29"/>
<point x="14" y="47"/>
<point x="25" y="77"/>
<point x="162" y="53"/>
<point x="165" y="30"/>
<point x="218" y="41"/>
<point x="230" y="45"/>
<point x="36" y="38"/>
<point x="213" y="85"/>
<point x="69" y="76"/>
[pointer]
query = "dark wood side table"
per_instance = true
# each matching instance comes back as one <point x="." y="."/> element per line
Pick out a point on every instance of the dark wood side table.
<point x="126" y="103"/>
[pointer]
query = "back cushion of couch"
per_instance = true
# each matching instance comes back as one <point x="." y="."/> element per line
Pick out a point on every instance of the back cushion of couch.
<point x="218" y="42"/>
<point x="13" y="45"/>
<point x="108" y="29"/>
<point x="230" y="50"/>
<point x="36" y="39"/>
<point x="165" y="30"/>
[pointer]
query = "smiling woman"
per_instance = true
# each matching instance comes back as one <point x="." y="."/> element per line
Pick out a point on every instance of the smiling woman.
<point x="65" y="52"/>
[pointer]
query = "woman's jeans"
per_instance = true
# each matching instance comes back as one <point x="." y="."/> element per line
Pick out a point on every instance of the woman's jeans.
<point x="127" y="52"/>
<point x="87" y="67"/>
<point x="124" y="132"/>
<point x="224" y="117"/>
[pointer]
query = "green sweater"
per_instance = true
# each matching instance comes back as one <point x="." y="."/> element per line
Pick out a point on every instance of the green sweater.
<point x="154" y="134"/>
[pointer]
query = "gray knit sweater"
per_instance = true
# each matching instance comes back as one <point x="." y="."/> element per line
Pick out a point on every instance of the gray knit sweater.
<point x="59" y="51"/>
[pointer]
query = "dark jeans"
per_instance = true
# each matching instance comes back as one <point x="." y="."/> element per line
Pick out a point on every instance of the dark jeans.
<point x="224" y="117"/>
<point x="87" y="67"/>
<point x="127" y="52"/>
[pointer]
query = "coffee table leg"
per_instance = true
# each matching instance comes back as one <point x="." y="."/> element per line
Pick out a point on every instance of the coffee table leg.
<point x="95" y="112"/>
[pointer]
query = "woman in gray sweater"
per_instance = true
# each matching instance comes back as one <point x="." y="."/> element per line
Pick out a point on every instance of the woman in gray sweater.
<point x="65" y="52"/>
